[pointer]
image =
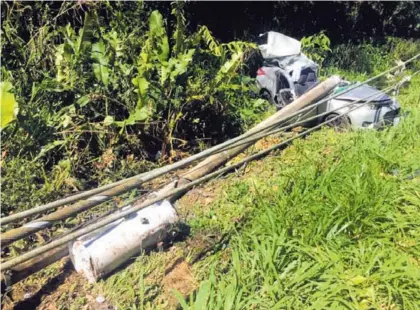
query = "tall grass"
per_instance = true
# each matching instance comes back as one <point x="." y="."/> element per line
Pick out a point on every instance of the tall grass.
<point x="335" y="227"/>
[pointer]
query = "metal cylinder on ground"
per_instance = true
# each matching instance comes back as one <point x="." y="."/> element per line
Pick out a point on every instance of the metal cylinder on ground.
<point x="97" y="254"/>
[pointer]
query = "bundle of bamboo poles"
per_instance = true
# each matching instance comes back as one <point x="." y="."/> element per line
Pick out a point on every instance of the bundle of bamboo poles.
<point x="24" y="265"/>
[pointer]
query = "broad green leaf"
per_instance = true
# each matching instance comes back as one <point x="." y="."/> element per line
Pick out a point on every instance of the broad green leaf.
<point x="143" y="86"/>
<point x="182" y="63"/>
<point x="115" y="42"/>
<point x="229" y="67"/>
<point x="158" y="32"/>
<point x="139" y="114"/>
<point x="211" y="42"/>
<point x="85" y="34"/>
<point x="176" y="66"/>
<point x="100" y="68"/>
<point x="101" y="73"/>
<point x="9" y="106"/>
<point x="60" y="63"/>
<point x="178" y="35"/>
<point x="155" y="22"/>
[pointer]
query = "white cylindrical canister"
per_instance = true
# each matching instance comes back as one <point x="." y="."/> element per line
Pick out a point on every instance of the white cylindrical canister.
<point x="98" y="253"/>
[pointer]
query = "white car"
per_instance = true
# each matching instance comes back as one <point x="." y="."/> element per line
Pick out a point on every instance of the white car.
<point x="287" y="74"/>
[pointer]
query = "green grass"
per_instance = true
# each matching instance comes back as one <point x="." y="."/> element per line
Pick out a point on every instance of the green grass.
<point x="334" y="225"/>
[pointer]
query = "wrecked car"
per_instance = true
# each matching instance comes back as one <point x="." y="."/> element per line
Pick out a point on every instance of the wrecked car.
<point x="287" y="73"/>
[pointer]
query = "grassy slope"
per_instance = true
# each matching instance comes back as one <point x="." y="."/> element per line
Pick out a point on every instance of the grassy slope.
<point x="332" y="223"/>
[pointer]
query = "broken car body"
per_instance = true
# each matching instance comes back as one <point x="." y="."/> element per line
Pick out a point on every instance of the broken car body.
<point x="287" y="74"/>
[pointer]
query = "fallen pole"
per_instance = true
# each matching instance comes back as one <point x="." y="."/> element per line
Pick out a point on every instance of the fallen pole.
<point x="126" y="212"/>
<point x="180" y="164"/>
<point x="207" y="165"/>
<point x="213" y="161"/>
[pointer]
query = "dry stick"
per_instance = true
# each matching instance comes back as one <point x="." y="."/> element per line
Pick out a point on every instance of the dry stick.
<point x="126" y="212"/>
<point x="179" y="164"/>
<point x="37" y="263"/>
<point x="212" y="161"/>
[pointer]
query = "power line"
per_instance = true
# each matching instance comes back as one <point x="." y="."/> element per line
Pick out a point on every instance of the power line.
<point x="147" y="176"/>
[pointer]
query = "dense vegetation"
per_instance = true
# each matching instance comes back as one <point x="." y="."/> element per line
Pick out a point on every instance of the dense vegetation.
<point x="104" y="97"/>
<point x="105" y="90"/>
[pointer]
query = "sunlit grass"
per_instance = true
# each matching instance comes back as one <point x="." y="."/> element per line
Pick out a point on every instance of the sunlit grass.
<point x="336" y="226"/>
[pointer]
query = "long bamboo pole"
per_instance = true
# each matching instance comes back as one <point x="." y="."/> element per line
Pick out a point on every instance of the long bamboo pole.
<point x="126" y="212"/>
<point x="204" y="167"/>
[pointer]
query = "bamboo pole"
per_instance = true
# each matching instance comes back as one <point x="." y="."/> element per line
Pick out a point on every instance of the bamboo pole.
<point x="23" y="270"/>
<point x="60" y="202"/>
<point x="48" y="248"/>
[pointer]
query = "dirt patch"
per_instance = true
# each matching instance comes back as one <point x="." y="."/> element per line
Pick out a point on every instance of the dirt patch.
<point x="180" y="278"/>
